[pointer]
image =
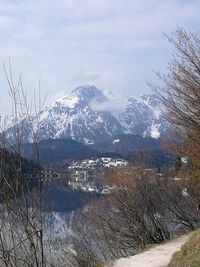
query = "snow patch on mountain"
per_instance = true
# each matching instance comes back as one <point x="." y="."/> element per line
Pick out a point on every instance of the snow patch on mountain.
<point x="155" y="131"/>
<point x="115" y="141"/>
<point x="88" y="142"/>
<point x="88" y="115"/>
<point x="68" y="101"/>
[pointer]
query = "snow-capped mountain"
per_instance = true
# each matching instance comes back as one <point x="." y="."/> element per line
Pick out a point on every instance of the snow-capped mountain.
<point x="88" y="115"/>
<point x="143" y="116"/>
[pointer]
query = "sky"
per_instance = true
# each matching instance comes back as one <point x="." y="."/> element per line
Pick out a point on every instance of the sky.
<point x="113" y="44"/>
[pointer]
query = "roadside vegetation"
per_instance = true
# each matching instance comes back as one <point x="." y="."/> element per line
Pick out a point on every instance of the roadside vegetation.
<point x="189" y="255"/>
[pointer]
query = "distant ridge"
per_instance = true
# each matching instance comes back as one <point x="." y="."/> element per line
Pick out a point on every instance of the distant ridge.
<point x="61" y="151"/>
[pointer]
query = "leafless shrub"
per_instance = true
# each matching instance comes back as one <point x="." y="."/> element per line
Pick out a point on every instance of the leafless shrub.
<point x="180" y="93"/>
<point x="22" y="240"/>
<point x="141" y="209"/>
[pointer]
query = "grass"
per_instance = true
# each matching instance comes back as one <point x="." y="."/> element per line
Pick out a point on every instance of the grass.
<point x="189" y="255"/>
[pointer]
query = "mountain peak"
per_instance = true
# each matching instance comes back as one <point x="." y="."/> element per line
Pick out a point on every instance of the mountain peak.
<point x="87" y="91"/>
<point x="151" y="99"/>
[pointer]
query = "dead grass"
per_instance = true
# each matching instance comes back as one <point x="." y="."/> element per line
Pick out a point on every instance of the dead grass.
<point x="189" y="255"/>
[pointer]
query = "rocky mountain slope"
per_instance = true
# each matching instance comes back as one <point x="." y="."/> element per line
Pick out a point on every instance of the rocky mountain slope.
<point x="89" y="115"/>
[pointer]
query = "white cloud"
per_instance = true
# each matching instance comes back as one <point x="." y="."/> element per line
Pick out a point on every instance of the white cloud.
<point x="114" y="106"/>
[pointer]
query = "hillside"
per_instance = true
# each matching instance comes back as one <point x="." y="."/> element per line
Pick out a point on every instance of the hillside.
<point x="53" y="151"/>
<point x="189" y="254"/>
<point x="15" y="174"/>
<point x="60" y="151"/>
<point x="125" y="144"/>
<point x="129" y="145"/>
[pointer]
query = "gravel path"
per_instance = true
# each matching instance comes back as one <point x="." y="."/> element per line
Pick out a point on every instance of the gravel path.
<point x="158" y="256"/>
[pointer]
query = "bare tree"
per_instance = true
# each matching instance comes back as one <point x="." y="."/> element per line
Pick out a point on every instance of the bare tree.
<point x="180" y="92"/>
<point x="22" y="240"/>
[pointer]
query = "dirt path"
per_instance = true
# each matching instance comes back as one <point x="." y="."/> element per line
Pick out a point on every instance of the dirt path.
<point x="158" y="256"/>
